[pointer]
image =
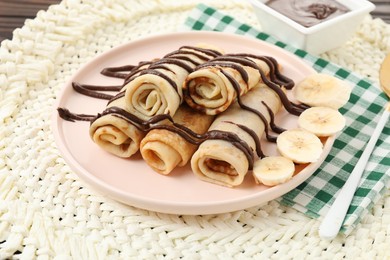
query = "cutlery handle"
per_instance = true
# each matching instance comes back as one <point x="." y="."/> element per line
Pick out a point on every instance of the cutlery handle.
<point x="333" y="220"/>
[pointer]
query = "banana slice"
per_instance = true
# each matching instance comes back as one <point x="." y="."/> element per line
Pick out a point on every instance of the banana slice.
<point x="321" y="121"/>
<point x="322" y="90"/>
<point x="273" y="170"/>
<point x="299" y="145"/>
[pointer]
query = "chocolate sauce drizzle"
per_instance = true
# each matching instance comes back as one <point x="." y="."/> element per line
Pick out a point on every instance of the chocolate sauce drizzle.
<point x="72" y="117"/>
<point x="177" y="58"/>
<point x="91" y="90"/>
<point x="202" y="54"/>
<point x="243" y="106"/>
<point x="151" y="124"/>
<point x="276" y="81"/>
<point x="254" y="136"/>
<point x="274" y="127"/>
<point x="115" y="71"/>
<point x="234" y="61"/>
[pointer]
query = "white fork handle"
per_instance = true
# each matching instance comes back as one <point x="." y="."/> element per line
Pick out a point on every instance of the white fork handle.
<point x="333" y="220"/>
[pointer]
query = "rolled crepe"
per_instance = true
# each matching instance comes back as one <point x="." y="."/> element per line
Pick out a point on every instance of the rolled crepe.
<point x="164" y="150"/>
<point x="115" y="134"/>
<point x="209" y="88"/>
<point x="220" y="161"/>
<point x="158" y="89"/>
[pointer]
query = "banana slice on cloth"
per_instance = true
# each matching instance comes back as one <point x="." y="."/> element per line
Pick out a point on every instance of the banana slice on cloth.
<point x="322" y="90"/>
<point x="299" y="145"/>
<point x="273" y="170"/>
<point x="322" y="121"/>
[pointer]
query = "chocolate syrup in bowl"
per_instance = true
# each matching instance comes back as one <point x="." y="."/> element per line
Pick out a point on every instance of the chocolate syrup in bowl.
<point x="308" y="12"/>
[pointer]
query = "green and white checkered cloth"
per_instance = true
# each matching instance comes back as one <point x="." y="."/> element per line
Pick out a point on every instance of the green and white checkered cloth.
<point x="314" y="196"/>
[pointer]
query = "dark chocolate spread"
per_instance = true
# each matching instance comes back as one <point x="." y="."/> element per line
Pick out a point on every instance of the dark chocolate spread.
<point x="308" y="12"/>
<point x="116" y="71"/>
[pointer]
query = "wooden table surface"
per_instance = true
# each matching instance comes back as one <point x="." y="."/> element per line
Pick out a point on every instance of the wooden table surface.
<point x="14" y="12"/>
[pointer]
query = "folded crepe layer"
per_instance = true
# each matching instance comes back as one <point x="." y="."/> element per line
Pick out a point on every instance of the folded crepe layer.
<point x="164" y="150"/>
<point x="115" y="134"/>
<point x="220" y="161"/>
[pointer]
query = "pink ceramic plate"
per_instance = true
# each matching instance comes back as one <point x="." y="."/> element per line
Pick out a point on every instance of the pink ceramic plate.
<point x="131" y="181"/>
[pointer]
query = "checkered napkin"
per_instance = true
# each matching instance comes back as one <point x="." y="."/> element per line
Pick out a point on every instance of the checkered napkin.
<point x="314" y="196"/>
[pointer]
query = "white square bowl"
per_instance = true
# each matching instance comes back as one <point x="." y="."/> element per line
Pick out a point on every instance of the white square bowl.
<point x="318" y="38"/>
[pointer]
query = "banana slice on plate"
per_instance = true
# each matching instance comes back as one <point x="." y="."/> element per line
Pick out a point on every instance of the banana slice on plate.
<point x="299" y="145"/>
<point x="273" y="170"/>
<point x="322" y="90"/>
<point x="322" y="121"/>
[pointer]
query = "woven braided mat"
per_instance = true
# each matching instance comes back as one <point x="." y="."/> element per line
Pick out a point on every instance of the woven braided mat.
<point x="46" y="212"/>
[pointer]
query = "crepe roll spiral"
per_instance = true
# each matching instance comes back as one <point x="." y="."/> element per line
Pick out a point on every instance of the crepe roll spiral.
<point x="115" y="134"/>
<point x="209" y="88"/>
<point x="221" y="161"/>
<point x="164" y="150"/>
<point x="158" y="89"/>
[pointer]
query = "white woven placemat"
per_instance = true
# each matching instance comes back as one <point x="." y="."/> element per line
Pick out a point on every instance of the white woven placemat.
<point x="47" y="212"/>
